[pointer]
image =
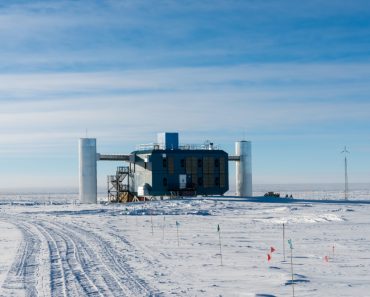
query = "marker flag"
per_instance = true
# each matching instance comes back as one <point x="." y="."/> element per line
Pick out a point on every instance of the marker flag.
<point x="326" y="259"/>
<point x="272" y="249"/>
<point x="268" y="257"/>
<point x="290" y="244"/>
<point x="177" y="231"/>
<point x="219" y="239"/>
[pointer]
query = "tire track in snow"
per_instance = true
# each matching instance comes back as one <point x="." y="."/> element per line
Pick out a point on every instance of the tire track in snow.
<point x="118" y="273"/>
<point x="63" y="259"/>
<point x="23" y="273"/>
<point x="61" y="282"/>
<point x="72" y="269"/>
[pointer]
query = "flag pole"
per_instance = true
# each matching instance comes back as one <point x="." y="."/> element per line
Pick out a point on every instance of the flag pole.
<point x="135" y="215"/>
<point x="151" y="220"/>
<point x="177" y="227"/>
<point x="333" y="251"/>
<point x="219" y="239"/>
<point x="284" y="241"/>
<point x="164" y="225"/>
<point x="291" y="263"/>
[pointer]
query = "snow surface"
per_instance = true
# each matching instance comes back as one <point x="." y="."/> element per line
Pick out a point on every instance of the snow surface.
<point x="57" y="248"/>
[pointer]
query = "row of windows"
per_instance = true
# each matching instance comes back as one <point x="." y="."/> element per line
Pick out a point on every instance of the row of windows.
<point x="199" y="162"/>
<point x="200" y="181"/>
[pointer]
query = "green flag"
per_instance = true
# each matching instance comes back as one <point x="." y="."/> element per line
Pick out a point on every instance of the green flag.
<point x="290" y="244"/>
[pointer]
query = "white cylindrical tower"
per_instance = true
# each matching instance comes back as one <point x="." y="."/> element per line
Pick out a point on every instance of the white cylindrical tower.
<point x="87" y="170"/>
<point x="243" y="149"/>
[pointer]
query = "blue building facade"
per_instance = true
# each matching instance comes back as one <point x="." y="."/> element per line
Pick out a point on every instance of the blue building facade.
<point x="190" y="172"/>
<point x="167" y="169"/>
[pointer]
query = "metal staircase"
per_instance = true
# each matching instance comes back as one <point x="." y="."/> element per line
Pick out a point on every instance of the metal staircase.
<point x="118" y="186"/>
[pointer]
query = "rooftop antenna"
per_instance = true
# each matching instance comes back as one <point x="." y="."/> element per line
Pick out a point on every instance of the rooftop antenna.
<point x="86" y="132"/>
<point x="345" y="152"/>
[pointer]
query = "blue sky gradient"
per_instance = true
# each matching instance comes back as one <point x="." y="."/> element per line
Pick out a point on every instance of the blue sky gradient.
<point x="292" y="76"/>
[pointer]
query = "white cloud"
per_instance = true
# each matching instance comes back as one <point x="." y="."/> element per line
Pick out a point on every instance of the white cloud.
<point x="58" y="107"/>
<point x="117" y="69"/>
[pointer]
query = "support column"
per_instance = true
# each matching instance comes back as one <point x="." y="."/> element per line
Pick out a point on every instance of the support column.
<point x="87" y="170"/>
<point x="243" y="149"/>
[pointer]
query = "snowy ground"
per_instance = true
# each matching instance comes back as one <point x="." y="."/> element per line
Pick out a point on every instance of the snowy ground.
<point x="133" y="250"/>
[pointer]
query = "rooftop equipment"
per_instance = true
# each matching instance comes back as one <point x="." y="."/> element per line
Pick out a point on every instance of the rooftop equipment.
<point x="168" y="141"/>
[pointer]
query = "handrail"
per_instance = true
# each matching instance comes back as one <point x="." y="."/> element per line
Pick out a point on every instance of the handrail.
<point x="156" y="146"/>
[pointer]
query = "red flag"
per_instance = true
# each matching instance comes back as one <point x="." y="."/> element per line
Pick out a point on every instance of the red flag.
<point x="268" y="257"/>
<point x="326" y="259"/>
<point x="272" y="249"/>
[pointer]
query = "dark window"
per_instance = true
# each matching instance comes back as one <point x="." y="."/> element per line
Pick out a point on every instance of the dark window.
<point x="200" y="163"/>
<point x="217" y="181"/>
<point x="165" y="181"/>
<point x="217" y="163"/>
<point x="164" y="161"/>
<point x="182" y="161"/>
<point x="200" y="181"/>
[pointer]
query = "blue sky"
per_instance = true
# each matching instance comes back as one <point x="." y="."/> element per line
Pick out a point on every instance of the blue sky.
<point x="291" y="76"/>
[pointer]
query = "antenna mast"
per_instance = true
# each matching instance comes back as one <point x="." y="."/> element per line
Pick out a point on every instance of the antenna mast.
<point x="345" y="152"/>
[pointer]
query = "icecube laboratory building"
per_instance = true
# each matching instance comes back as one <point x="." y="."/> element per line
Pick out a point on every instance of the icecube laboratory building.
<point x="165" y="168"/>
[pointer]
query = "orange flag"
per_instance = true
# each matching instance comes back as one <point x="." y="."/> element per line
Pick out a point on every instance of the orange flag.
<point x="268" y="257"/>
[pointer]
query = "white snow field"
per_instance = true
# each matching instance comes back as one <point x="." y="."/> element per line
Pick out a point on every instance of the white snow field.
<point x="134" y="250"/>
